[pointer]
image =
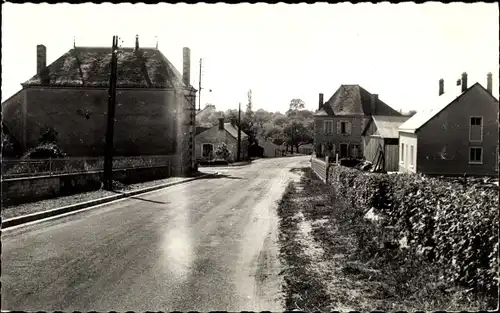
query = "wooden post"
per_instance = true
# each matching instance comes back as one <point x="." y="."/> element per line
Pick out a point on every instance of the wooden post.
<point x="239" y="132"/>
<point x="108" y="150"/>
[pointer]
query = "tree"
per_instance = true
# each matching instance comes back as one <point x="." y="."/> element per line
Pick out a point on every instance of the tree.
<point x="296" y="135"/>
<point x="297" y="104"/>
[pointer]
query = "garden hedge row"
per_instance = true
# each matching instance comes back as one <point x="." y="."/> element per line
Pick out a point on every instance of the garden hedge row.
<point x="450" y="223"/>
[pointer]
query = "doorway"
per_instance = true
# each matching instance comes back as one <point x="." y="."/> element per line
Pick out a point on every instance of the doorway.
<point x="343" y="150"/>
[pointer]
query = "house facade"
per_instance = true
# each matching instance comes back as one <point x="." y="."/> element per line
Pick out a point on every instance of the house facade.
<point x="381" y="141"/>
<point x="154" y="103"/>
<point x="459" y="136"/>
<point x="209" y="140"/>
<point x="340" y="121"/>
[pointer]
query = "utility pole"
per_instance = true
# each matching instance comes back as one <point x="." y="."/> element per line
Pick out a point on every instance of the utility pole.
<point x="199" y="90"/>
<point x="108" y="151"/>
<point x="239" y="132"/>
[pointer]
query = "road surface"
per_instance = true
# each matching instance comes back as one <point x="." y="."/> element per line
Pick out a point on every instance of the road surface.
<point x="205" y="245"/>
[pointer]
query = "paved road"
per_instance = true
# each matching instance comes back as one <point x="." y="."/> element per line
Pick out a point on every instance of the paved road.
<point x="205" y="245"/>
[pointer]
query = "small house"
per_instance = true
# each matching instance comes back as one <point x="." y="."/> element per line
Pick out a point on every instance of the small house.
<point x="209" y="140"/>
<point x="381" y="141"/>
<point x="458" y="136"/>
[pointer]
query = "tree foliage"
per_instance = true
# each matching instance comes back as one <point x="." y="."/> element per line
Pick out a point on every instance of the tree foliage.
<point x="293" y="128"/>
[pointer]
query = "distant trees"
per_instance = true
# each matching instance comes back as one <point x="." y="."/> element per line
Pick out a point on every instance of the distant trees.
<point x="293" y="129"/>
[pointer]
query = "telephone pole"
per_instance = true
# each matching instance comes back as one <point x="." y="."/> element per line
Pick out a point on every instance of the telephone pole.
<point x="108" y="149"/>
<point x="239" y="132"/>
<point x="199" y="90"/>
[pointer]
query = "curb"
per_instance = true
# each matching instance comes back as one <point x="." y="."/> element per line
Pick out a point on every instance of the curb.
<point x="78" y="206"/>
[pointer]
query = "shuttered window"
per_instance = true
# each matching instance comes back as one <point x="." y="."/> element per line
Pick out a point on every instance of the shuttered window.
<point x="328" y="127"/>
<point x="344" y="127"/>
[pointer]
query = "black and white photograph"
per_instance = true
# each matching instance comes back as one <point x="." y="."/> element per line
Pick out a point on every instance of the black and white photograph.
<point x="250" y="157"/>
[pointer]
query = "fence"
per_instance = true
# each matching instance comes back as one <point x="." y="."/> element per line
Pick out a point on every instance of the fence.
<point x="41" y="167"/>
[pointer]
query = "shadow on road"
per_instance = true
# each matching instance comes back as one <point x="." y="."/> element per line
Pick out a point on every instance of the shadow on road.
<point x="219" y="175"/>
<point x="137" y="198"/>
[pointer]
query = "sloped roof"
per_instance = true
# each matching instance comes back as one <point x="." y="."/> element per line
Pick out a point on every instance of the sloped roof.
<point x="422" y="117"/>
<point x="233" y="131"/>
<point x="387" y="126"/>
<point x="201" y="129"/>
<point x="90" y="66"/>
<point x="355" y="100"/>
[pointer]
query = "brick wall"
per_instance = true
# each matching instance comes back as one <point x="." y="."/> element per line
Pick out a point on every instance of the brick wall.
<point x="321" y="168"/>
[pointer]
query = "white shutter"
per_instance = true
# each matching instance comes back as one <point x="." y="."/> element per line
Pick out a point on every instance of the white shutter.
<point x="338" y="127"/>
<point x="348" y="128"/>
<point x="324" y="126"/>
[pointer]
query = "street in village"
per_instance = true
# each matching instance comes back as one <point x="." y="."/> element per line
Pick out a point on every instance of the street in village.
<point x="209" y="244"/>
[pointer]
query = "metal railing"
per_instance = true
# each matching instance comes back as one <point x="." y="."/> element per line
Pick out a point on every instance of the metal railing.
<point x="41" y="167"/>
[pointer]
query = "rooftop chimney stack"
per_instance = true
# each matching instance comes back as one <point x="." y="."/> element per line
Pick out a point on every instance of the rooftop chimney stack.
<point x="186" y="66"/>
<point x="233" y="121"/>
<point x="136" y="43"/>
<point x="489" y="83"/>
<point x="41" y="58"/>
<point x="320" y="101"/>
<point x="441" y="86"/>
<point x="464" y="81"/>
<point x="374" y="99"/>
<point x="221" y="123"/>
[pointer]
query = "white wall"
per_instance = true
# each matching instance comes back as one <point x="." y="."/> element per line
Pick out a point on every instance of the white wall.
<point x="406" y="141"/>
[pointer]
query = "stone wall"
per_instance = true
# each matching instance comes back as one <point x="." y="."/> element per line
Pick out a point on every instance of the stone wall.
<point x="29" y="189"/>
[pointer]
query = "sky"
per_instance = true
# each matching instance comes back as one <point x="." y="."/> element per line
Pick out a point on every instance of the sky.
<point x="280" y="51"/>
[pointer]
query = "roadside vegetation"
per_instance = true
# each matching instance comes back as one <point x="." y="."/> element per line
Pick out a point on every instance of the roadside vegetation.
<point x="335" y="258"/>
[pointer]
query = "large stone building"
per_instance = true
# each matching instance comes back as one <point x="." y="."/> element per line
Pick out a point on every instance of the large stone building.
<point x="340" y="121"/>
<point x="155" y="104"/>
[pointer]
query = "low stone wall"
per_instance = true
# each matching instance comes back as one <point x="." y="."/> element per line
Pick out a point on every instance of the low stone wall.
<point x="321" y="168"/>
<point x="29" y="189"/>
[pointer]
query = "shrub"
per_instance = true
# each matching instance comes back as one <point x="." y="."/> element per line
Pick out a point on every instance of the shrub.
<point x="450" y="224"/>
<point x="222" y="152"/>
<point x="44" y="151"/>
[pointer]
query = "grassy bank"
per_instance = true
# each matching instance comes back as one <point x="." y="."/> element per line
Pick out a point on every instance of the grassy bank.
<point x="333" y="261"/>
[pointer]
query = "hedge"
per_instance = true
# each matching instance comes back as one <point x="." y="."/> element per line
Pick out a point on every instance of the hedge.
<point x="451" y="224"/>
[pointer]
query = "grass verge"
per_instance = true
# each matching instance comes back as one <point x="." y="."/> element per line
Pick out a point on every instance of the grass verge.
<point x="336" y="264"/>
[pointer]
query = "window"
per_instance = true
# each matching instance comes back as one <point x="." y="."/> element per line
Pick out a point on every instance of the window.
<point x="476" y="129"/>
<point x="207" y="150"/>
<point x="328" y="127"/>
<point x="402" y="153"/>
<point x="411" y="156"/>
<point x="476" y="155"/>
<point x="344" y="127"/>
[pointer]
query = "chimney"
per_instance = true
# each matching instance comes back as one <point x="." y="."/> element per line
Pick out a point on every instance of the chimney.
<point x="489" y="83"/>
<point x="320" y="101"/>
<point x="464" y="81"/>
<point x="441" y="86"/>
<point x="136" y="43"/>
<point x="233" y="121"/>
<point x="41" y="58"/>
<point x="374" y="99"/>
<point x="186" y="66"/>
<point x="221" y="123"/>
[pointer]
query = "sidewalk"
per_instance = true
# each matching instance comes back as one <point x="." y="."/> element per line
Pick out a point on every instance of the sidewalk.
<point x="27" y="212"/>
